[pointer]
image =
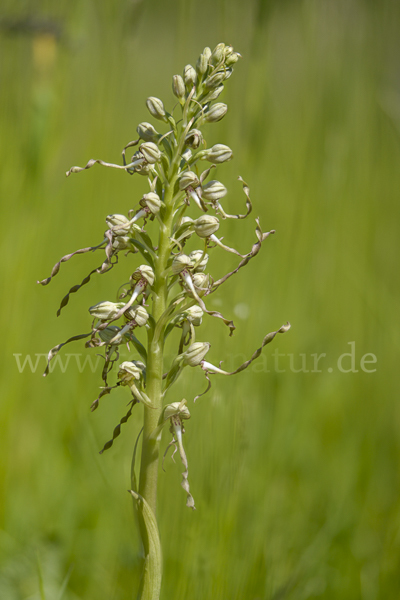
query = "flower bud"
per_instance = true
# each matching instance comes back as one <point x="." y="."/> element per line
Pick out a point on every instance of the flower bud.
<point x="152" y="201"/>
<point x="213" y="190"/>
<point x="206" y="225"/>
<point x="207" y="52"/>
<point x="232" y="58"/>
<point x="219" y="153"/>
<point x="189" y="76"/>
<point x="215" y="80"/>
<point x="188" y="179"/>
<point x="194" y="138"/>
<point x="151" y="152"/>
<point x="107" y="334"/>
<point x="216" y="112"/>
<point x="218" y="54"/>
<point x="147" y="132"/>
<point x="200" y="280"/>
<point x="145" y="272"/>
<point x="194" y="315"/>
<point x="138" y="314"/>
<point x="202" y="63"/>
<point x="195" y="257"/>
<point x="129" y="372"/>
<point x="156" y="108"/>
<point x="180" y="263"/>
<point x="178" y="87"/>
<point x="105" y="310"/>
<point x="213" y="95"/>
<point x="195" y="353"/>
<point x="117" y="221"/>
<point x="176" y="409"/>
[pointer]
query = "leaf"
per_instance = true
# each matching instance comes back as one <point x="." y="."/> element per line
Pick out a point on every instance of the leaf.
<point x="150" y="584"/>
<point x="138" y="345"/>
<point x="143" y="251"/>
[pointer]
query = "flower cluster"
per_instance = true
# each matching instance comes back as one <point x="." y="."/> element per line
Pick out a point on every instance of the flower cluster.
<point x="169" y="291"/>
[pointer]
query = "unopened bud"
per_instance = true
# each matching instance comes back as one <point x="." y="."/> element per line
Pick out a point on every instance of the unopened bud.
<point x="195" y="353"/>
<point x="147" y="273"/>
<point x="117" y="221"/>
<point x="178" y="87"/>
<point x="105" y="310"/>
<point x="189" y="76"/>
<point x="143" y="272"/>
<point x="216" y="113"/>
<point x="194" y="138"/>
<point x="219" y="153"/>
<point x="207" y="52"/>
<point x="151" y="152"/>
<point x="180" y="263"/>
<point x="213" y="190"/>
<point x="188" y="179"/>
<point x="201" y="281"/>
<point x="138" y="314"/>
<point x="147" y="132"/>
<point x="129" y="372"/>
<point x="202" y="63"/>
<point x="178" y="409"/>
<point x="194" y="315"/>
<point x="109" y="333"/>
<point x="198" y="260"/>
<point x="213" y="95"/>
<point x="156" y="108"/>
<point x="218" y="54"/>
<point x="152" y="201"/>
<point x="206" y="225"/>
<point x="232" y="58"/>
<point x="215" y="80"/>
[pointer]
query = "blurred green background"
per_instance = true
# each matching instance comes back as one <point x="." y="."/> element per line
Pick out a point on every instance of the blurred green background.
<point x="295" y="474"/>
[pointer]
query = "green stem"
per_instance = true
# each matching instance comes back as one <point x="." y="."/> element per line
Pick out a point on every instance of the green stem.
<point x="150" y="447"/>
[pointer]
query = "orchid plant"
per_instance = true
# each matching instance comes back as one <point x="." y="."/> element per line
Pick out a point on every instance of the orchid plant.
<point x="166" y="294"/>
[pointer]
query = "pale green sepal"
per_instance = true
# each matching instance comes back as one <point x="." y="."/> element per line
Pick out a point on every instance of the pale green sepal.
<point x="143" y="251"/>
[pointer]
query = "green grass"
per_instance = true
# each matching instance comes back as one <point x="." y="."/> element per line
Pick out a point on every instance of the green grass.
<point x="295" y="475"/>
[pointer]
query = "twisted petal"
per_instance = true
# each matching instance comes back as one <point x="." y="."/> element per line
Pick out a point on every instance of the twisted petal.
<point x="54" y="351"/>
<point x="93" y="161"/>
<point x="104" y="392"/>
<point x="117" y="429"/>
<point x="249" y="206"/>
<point x="65" y="258"/>
<point x="254" y="251"/>
<point x="213" y="313"/>
<point x="268" y="338"/>
<point x="84" y="281"/>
